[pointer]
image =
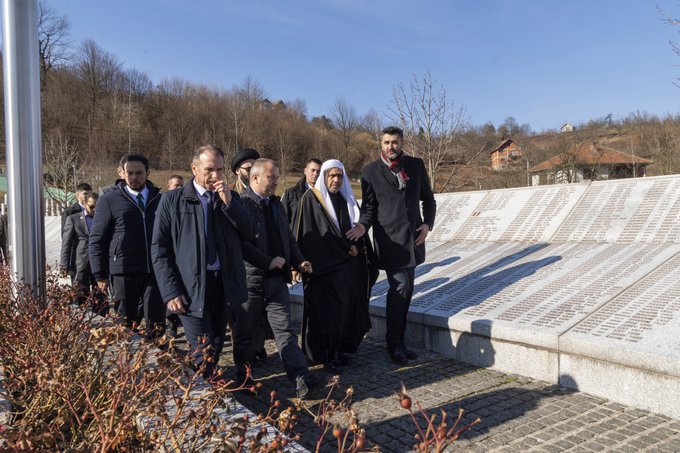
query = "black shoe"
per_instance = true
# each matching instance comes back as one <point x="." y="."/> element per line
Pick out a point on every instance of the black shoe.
<point x="408" y="353"/>
<point x="343" y="359"/>
<point x="305" y="385"/>
<point x="397" y="356"/>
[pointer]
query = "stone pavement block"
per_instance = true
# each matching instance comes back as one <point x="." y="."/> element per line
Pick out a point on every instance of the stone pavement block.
<point x="627" y="449"/>
<point x="593" y="446"/>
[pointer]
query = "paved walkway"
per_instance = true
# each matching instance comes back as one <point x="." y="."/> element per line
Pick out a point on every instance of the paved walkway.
<point x="518" y="414"/>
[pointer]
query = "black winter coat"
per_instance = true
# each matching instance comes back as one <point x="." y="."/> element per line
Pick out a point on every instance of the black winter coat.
<point x="291" y="200"/>
<point x="120" y="240"/>
<point x="394" y="214"/>
<point x="178" y="247"/>
<point x="255" y="252"/>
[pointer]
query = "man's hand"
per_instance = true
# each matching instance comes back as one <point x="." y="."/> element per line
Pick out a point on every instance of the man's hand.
<point x="177" y="305"/>
<point x="353" y="250"/>
<point x="277" y="263"/>
<point x="223" y="191"/>
<point x="306" y="267"/>
<point x="356" y="232"/>
<point x="424" y="231"/>
<point x="103" y="286"/>
<point x="297" y="277"/>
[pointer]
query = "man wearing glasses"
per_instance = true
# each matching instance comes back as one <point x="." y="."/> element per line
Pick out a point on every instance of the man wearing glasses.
<point x="240" y="166"/>
<point x="74" y="248"/>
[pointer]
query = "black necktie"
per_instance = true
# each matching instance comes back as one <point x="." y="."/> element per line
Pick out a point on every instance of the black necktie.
<point x="210" y="237"/>
<point x="140" y="201"/>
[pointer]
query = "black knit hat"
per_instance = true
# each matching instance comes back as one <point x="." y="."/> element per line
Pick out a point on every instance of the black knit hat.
<point x="241" y="155"/>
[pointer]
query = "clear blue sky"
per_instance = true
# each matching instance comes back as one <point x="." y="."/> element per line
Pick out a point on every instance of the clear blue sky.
<point x="545" y="62"/>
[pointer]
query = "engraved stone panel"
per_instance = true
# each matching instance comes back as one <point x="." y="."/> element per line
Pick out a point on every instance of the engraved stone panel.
<point x="453" y="266"/>
<point x="526" y="214"/>
<point x="453" y="209"/>
<point x="627" y="210"/>
<point x="552" y="288"/>
<point x="644" y="319"/>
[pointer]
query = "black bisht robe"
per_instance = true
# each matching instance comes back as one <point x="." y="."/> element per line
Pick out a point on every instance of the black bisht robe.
<point x="336" y="294"/>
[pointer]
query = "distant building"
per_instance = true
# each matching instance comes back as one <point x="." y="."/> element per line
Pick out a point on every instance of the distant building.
<point x="588" y="161"/>
<point x="566" y="127"/>
<point x="507" y="154"/>
<point x="276" y="105"/>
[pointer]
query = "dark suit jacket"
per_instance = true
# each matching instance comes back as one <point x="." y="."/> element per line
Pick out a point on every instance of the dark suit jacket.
<point x="74" y="247"/>
<point x="255" y="251"/>
<point x="395" y="215"/>
<point x="75" y="208"/>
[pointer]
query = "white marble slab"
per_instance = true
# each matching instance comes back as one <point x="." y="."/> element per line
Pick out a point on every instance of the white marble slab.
<point x="453" y="209"/>
<point x="536" y="297"/>
<point x="626" y="210"/>
<point x="52" y="240"/>
<point x="525" y="214"/>
<point x="638" y="328"/>
<point x="452" y="266"/>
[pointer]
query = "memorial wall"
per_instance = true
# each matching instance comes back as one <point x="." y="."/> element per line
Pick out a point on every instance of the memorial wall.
<point x="567" y="278"/>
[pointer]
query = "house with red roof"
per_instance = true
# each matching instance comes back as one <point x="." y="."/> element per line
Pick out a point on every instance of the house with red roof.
<point x="507" y="154"/>
<point x="588" y="161"/>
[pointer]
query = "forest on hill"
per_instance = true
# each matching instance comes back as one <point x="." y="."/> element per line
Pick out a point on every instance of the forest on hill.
<point x="94" y="110"/>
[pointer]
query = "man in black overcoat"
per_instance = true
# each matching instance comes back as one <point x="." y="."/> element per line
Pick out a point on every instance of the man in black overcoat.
<point x="393" y="189"/>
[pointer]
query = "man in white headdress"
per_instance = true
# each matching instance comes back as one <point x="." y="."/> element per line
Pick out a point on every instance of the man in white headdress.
<point x="335" y="317"/>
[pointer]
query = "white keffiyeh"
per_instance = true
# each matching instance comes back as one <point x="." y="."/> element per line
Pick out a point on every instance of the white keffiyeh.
<point x="345" y="191"/>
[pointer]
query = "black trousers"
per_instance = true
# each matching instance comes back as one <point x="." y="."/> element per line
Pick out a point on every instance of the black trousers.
<point x="206" y="335"/>
<point x="272" y="301"/>
<point x="398" y="300"/>
<point x="136" y="296"/>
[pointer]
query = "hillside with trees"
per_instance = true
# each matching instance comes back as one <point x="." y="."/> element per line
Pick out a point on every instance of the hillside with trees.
<point x="94" y="110"/>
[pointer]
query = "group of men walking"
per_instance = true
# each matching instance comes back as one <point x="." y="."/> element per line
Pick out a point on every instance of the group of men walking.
<point x="215" y="255"/>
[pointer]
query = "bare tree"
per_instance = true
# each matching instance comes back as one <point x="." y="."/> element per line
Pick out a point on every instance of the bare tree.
<point x="429" y="121"/>
<point x="100" y="72"/>
<point x="53" y="41"/>
<point x="61" y="165"/>
<point x="372" y="123"/>
<point x="345" y="120"/>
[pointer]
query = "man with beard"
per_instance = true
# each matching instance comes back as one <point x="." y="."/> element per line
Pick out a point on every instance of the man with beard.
<point x="120" y="245"/>
<point x="393" y="188"/>
<point x="335" y="317"/>
<point x="240" y="166"/>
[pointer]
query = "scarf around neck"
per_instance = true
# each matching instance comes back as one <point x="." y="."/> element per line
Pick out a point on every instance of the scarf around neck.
<point x="395" y="166"/>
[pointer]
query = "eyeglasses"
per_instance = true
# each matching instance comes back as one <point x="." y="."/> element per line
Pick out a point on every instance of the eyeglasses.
<point x="246" y="168"/>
